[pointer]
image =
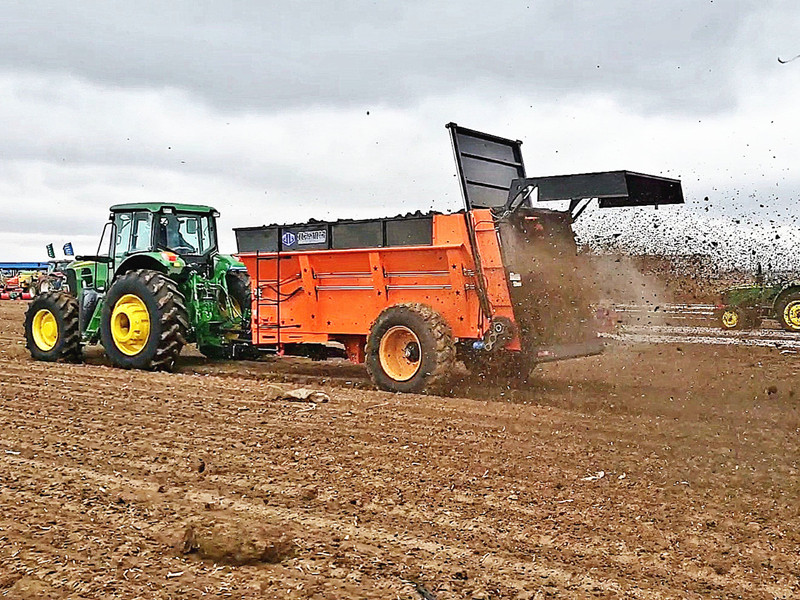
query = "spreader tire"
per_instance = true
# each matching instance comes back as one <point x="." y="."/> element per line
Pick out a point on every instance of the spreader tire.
<point x="51" y="328"/>
<point x="410" y="349"/>
<point x="144" y="321"/>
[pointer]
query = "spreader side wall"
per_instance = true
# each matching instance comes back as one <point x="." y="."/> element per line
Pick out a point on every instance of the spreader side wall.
<point x="319" y="296"/>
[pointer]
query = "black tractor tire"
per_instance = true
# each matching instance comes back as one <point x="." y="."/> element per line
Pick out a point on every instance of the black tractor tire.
<point x="424" y="354"/>
<point x="239" y="290"/>
<point x="733" y="318"/>
<point x="64" y="309"/>
<point x="788" y="311"/>
<point x="168" y="320"/>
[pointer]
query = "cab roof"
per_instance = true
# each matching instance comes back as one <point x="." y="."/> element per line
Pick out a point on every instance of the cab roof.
<point x="159" y="206"/>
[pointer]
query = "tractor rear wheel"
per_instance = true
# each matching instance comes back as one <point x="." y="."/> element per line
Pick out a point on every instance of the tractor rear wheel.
<point x="144" y="321"/>
<point x="410" y="349"/>
<point x="51" y="327"/>
<point x="789" y="312"/>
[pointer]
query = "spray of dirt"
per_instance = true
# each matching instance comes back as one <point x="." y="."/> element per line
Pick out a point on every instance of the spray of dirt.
<point x="620" y="282"/>
<point x="563" y="295"/>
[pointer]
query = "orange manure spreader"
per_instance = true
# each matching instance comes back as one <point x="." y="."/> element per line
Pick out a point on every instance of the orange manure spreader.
<point x="499" y="285"/>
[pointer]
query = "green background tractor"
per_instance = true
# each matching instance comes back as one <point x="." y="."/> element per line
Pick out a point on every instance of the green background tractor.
<point x="157" y="283"/>
<point x="744" y="307"/>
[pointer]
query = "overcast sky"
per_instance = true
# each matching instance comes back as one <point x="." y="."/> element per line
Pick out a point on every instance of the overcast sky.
<point x="337" y="109"/>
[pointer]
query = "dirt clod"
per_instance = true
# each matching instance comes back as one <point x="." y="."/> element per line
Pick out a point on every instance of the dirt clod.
<point x="237" y="543"/>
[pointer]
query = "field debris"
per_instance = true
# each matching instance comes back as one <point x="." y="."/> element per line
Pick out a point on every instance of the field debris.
<point x="305" y="395"/>
<point x="236" y="543"/>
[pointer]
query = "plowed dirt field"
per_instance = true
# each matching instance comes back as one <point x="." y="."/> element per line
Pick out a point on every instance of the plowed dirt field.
<point x="652" y="471"/>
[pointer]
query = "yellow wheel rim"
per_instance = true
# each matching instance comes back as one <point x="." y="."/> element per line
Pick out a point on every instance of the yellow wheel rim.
<point x="130" y="324"/>
<point x="45" y="330"/>
<point x="730" y="319"/>
<point x="400" y="353"/>
<point x="791" y="314"/>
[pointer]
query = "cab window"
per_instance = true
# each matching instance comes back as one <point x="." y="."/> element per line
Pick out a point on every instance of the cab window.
<point x="133" y="232"/>
<point x="186" y="233"/>
<point x="122" y="223"/>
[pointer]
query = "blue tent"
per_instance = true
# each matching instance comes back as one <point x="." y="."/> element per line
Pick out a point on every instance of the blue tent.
<point x="23" y="266"/>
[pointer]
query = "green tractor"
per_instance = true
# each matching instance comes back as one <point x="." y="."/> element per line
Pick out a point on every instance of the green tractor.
<point x="157" y="282"/>
<point x="744" y="307"/>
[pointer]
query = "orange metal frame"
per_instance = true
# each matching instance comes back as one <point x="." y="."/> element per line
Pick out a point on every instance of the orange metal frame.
<point x="319" y="296"/>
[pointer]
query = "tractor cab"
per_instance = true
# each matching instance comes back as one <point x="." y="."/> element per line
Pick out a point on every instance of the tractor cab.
<point x="172" y="231"/>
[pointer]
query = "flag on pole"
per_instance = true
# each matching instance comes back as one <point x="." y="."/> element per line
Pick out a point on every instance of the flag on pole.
<point x="50" y="252"/>
<point x="68" y="249"/>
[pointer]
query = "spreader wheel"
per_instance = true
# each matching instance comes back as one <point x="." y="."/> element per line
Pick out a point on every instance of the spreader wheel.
<point x="409" y="349"/>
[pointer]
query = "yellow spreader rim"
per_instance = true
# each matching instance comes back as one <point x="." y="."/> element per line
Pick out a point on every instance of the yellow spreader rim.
<point x="45" y="330"/>
<point x="400" y="353"/>
<point x="130" y="324"/>
<point x="791" y="314"/>
<point x="730" y="319"/>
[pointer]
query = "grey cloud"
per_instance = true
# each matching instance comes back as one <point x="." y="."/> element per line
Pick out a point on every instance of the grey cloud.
<point x="669" y="56"/>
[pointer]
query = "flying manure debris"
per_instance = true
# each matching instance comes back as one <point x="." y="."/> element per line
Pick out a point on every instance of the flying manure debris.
<point x="783" y="62"/>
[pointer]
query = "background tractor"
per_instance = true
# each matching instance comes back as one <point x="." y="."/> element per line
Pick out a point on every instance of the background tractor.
<point x="55" y="278"/>
<point x="156" y="283"/>
<point x="744" y="307"/>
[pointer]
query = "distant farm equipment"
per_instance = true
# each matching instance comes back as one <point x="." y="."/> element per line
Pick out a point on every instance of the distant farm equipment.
<point x="744" y="307"/>
<point x="22" y="286"/>
<point x="25" y="284"/>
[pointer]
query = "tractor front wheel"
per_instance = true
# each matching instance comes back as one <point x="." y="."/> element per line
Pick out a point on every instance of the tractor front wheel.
<point x="789" y="312"/>
<point x="144" y="321"/>
<point x="51" y="327"/>
<point x="409" y="349"/>
<point x="733" y="317"/>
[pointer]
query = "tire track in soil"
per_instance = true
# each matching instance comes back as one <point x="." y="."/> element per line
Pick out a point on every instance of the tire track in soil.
<point x="373" y="537"/>
<point x="489" y="534"/>
<point x="474" y="486"/>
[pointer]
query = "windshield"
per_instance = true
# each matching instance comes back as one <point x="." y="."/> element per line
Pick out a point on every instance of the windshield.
<point x="186" y="233"/>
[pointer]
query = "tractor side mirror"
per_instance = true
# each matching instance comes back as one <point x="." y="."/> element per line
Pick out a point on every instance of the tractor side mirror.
<point x="191" y="226"/>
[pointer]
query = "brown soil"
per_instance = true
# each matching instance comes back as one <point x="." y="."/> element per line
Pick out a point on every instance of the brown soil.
<point x="648" y="472"/>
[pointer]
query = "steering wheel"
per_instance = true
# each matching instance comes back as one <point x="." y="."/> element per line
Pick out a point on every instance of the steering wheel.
<point x="183" y="250"/>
